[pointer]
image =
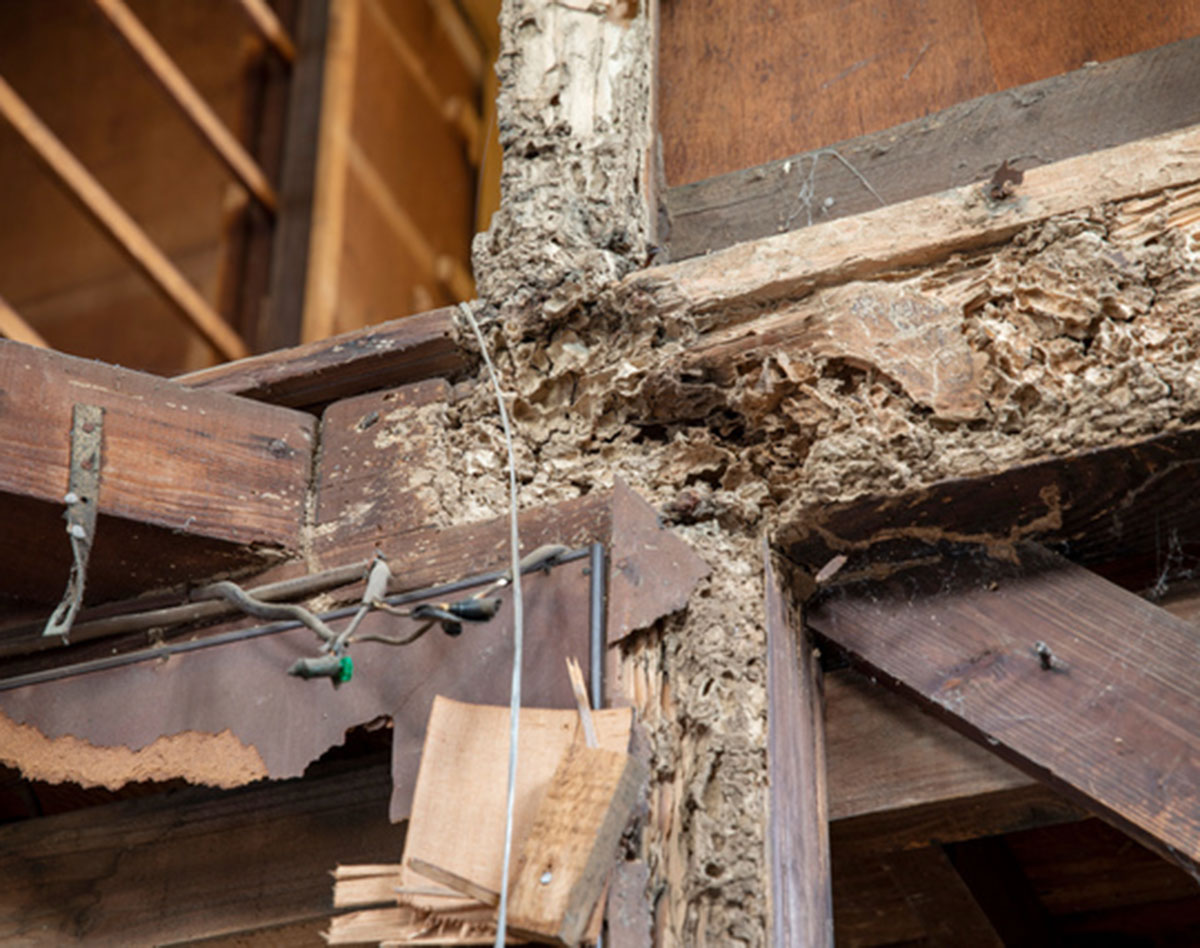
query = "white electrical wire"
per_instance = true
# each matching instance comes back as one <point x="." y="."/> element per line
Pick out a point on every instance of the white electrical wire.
<point x="514" y="708"/>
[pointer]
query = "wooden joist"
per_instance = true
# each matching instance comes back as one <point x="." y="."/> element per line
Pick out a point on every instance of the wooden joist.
<point x="118" y="226"/>
<point x="1082" y="684"/>
<point x="1100" y="106"/>
<point x="14" y="327"/>
<point x="202" y="465"/>
<point x="190" y="103"/>
<point x="316" y="373"/>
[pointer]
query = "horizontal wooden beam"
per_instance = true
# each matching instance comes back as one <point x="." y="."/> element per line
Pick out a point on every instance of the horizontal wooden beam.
<point x="1125" y="511"/>
<point x="118" y="226"/>
<point x="1097" y="107"/>
<point x="738" y="280"/>
<point x="201" y="464"/>
<point x="317" y="373"/>
<point x="179" y="866"/>
<point x="1080" y="683"/>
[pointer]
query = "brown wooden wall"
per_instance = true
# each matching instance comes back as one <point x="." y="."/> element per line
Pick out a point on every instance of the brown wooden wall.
<point x="744" y="82"/>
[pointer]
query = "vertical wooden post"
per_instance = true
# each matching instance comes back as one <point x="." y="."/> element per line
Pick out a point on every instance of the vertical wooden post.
<point x="797" y="811"/>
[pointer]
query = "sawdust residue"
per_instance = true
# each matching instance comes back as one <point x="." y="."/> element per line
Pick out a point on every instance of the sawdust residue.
<point x="215" y="760"/>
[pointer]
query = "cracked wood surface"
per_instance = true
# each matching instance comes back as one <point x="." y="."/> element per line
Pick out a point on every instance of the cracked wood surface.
<point x="1110" y="719"/>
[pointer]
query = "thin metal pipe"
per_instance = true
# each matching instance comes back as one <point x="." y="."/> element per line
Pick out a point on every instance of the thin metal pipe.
<point x="241" y="635"/>
<point x="599" y="644"/>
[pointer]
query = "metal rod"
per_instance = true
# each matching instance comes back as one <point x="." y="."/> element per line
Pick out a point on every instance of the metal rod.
<point x="599" y="638"/>
<point x="189" y="101"/>
<point x="241" y="635"/>
<point x="268" y="25"/>
<point x="120" y="228"/>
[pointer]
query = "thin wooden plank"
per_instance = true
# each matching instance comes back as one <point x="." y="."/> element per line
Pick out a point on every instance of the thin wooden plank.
<point x="1109" y="720"/>
<point x="323" y="275"/>
<point x="127" y="236"/>
<point x="316" y="373"/>
<point x="189" y="102"/>
<point x="740" y="278"/>
<point x="224" y="862"/>
<point x="203" y="463"/>
<point x="797" y="803"/>
<point x="1098" y="107"/>
<point x="259" y="13"/>
<point x="572" y="843"/>
<point x="13" y="327"/>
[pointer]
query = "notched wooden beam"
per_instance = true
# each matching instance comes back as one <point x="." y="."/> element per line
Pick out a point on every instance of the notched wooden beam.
<point x="1080" y="683"/>
<point x="316" y="373"/>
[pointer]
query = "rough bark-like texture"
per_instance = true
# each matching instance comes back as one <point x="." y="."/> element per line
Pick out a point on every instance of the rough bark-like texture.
<point x="573" y="115"/>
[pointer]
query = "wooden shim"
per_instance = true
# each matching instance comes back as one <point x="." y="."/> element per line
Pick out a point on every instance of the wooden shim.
<point x="572" y="844"/>
<point x="917" y="231"/>
<point x="13" y="327"/>
<point x="189" y="102"/>
<point x="223" y="861"/>
<point x="1111" y="722"/>
<point x="797" y="807"/>
<point x="314" y="374"/>
<point x="117" y="225"/>
<point x="197" y="462"/>
<point x="1138" y="96"/>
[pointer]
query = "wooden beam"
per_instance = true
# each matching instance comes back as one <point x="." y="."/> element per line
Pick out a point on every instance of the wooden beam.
<point x="117" y="225"/>
<point x="1097" y="107"/>
<point x="1125" y="511"/>
<point x="297" y="181"/>
<point x="260" y="14"/>
<point x="1002" y="890"/>
<point x="1079" y="682"/>
<point x="189" y="102"/>
<point x="312" y="375"/>
<point x="941" y="900"/>
<point x="13" y="327"/>
<point x="736" y="281"/>
<point x="223" y="862"/>
<point x="195" y="465"/>
<point x="797" y="805"/>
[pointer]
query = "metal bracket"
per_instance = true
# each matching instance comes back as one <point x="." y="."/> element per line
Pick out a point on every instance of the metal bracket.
<point x="83" y="492"/>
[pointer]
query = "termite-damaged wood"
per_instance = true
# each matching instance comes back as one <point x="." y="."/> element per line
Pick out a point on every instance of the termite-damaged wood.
<point x="1097" y="107"/>
<point x="1124" y="510"/>
<point x="920" y="231"/>
<point x="797" y="804"/>
<point x="312" y="375"/>
<point x="970" y="637"/>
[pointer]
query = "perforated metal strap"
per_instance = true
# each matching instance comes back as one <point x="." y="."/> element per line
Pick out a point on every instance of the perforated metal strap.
<point x="83" y="491"/>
